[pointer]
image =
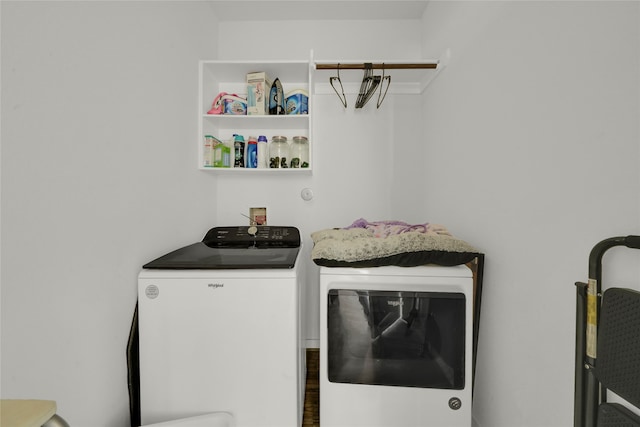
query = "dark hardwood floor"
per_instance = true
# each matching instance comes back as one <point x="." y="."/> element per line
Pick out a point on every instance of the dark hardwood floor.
<point x="312" y="393"/>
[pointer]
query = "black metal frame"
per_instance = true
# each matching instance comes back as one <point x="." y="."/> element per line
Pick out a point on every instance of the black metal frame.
<point x="588" y="391"/>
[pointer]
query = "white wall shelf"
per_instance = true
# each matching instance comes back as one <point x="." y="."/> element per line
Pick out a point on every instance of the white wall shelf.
<point x="216" y="76"/>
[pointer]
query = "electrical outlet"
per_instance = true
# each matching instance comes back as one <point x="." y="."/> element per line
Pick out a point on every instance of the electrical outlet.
<point x="258" y="216"/>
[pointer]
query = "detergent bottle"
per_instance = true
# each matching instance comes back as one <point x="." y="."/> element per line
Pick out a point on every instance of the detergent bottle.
<point x="252" y="152"/>
<point x="238" y="148"/>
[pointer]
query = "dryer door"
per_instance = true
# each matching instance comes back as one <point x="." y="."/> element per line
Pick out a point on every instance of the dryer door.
<point x="411" y="339"/>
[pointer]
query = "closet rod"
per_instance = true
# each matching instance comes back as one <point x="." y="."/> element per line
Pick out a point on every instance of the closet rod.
<point x="391" y="66"/>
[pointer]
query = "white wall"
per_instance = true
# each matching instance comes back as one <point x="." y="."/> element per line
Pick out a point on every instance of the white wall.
<point x="531" y="153"/>
<point x="99" y="106"/>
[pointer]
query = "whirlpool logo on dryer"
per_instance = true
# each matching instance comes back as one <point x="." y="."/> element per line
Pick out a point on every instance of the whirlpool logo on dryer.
<point x="215" y="285"/>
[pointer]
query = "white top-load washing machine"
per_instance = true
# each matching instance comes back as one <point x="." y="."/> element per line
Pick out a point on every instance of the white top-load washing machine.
<point x="396" y="346"/>
<point x="220" y="329"/>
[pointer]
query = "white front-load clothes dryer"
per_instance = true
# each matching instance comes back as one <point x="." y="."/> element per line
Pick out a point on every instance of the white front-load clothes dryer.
<point x="396" y="346"/>
<point x="220" y="329"/>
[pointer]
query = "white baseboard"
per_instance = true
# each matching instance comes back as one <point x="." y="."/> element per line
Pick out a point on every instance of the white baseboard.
<point x="309" y="343"/>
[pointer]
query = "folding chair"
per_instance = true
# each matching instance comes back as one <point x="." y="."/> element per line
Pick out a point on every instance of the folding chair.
<point x="607" y="347"/>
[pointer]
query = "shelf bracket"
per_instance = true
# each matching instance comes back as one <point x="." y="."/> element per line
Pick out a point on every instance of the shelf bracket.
<point x="444" y="61"/>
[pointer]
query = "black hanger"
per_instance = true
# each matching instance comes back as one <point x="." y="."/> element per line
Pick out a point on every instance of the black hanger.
<point x="342" y="97"/>
<point x="368" y="85"/>
<point x="388" y="79"/>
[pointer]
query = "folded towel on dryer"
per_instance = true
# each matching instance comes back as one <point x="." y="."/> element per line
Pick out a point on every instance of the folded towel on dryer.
<point x="399" y="244"/>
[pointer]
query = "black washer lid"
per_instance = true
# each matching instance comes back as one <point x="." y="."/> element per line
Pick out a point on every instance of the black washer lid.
<point x="236" y="248"/>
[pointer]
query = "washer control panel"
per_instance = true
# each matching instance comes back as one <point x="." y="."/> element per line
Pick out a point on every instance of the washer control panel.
<point x="254" y="235"/>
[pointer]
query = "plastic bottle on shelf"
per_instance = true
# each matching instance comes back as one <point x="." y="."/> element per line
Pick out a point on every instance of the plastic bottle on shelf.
<point x="207" y="153"/>
<point x="278" y="152"/>
<point x="221" y="156"/>
<point x="238" y="149"/>
<point x="299" y="152"/>
<point x="252" y="152"/>
<point x="263" y="152"/>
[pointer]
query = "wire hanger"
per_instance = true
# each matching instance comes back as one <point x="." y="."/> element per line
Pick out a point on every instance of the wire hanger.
<point x="388" y="79"/>
<point x="368" y="86"/>
<point x="342" y="97"/>
<point x="363" y="85"/>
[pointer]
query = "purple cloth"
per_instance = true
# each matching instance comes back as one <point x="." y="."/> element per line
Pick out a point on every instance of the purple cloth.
<point x="388" y="228"/>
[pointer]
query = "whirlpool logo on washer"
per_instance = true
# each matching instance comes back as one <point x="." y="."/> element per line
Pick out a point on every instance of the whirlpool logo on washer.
<point x="215" y="285"/>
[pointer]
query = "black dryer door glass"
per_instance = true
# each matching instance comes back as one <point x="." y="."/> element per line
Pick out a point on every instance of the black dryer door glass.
<point x="412" y="339"/>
